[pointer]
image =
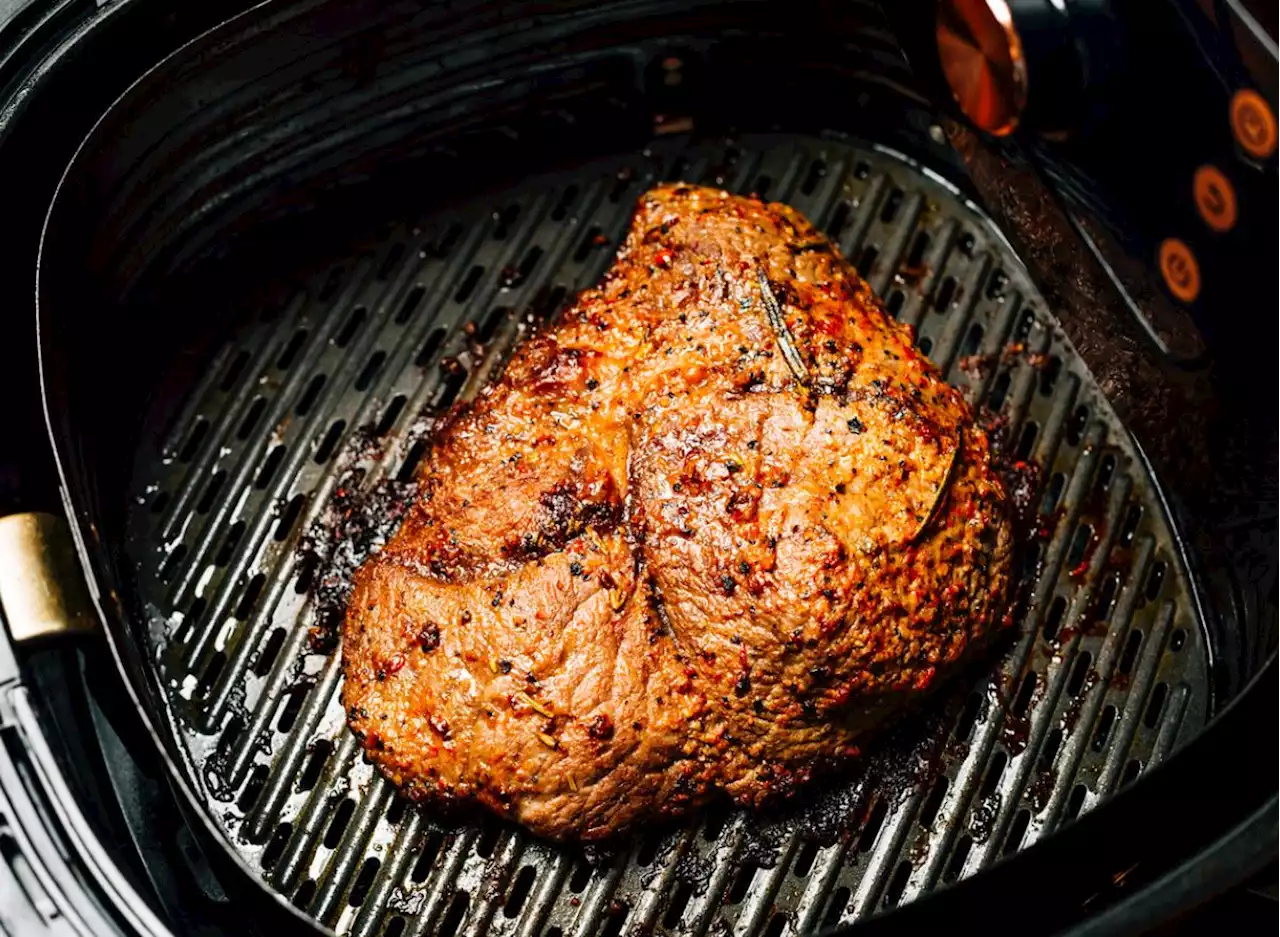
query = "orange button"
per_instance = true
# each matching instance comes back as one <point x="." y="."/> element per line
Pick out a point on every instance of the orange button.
<point x="1253" y="123"/>
<point x="1215" y="198"/>
<point x="1180" y="270"/>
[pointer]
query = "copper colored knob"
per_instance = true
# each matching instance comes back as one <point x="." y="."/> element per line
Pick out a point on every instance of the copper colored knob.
<point x="982" y="59"/>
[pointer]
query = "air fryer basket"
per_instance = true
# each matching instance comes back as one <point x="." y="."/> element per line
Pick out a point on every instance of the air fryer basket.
<point x="327" y="223"/>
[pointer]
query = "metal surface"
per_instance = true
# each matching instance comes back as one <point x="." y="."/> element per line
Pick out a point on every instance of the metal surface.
<point x="1106" y="675"/>
<point x="42" y="588"/>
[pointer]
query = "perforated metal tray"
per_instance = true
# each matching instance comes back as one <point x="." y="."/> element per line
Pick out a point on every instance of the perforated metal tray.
<point x="1106" y="674"/>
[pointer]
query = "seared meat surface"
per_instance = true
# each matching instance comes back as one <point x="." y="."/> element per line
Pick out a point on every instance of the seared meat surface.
<point x="705" y="534"/>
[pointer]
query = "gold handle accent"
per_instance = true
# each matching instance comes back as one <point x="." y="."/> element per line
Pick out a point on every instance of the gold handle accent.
<point x="42" y="588"/>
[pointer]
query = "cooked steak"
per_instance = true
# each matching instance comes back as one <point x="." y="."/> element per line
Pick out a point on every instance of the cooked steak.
<point x="704" y="534"/>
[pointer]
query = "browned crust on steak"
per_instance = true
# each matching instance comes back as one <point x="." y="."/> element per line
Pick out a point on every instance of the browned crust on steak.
<point x="666" y="554"/>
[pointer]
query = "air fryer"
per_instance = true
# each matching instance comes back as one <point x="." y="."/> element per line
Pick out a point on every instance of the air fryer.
<point x="254" y="251"/>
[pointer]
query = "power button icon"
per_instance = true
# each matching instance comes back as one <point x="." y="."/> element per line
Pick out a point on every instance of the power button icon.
<point x="1180" y="269"/>
<point x="1253" y="124"/>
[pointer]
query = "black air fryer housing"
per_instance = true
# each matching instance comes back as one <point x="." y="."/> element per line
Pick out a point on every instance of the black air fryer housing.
<point x="172" y="171"/>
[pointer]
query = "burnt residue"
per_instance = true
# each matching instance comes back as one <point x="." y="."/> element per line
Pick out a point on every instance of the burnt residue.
<point x="359" y="517"/>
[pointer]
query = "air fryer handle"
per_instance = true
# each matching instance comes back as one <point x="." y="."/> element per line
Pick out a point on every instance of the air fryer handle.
<point x="42" y="587"/>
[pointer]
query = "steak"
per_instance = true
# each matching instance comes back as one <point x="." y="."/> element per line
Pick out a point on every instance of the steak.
<point x="705" y="534"/>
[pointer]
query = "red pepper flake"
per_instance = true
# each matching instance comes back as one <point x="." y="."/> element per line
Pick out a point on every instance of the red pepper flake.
<point x="663" y="259"/>
<point x="395" y="663"/>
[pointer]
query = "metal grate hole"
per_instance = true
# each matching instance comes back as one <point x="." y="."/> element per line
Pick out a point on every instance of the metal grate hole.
<point x="513" y="278"/>
<point x="503" y="220"/>
<point x="958" y="857"/>
<point x="275" y="846"/>
<point x="292" y="706"/>
<point x="972" y="340"/>
<point x="1079" y="546"/>
<point x="679" y="901"/>
<point x="331" y="284"/>
<point x="968" y="717"/>
<point x="410" y="304"/>
<point x="835" y="906"/>
<point x="1079" y="674"/>
<point x="861" y="170"/>
<point x="1052" y="492"/>
<point x="173" y="561"/>
<point x="804" y="860"/>
<point x="159" y="502"/>
<point x="717" y="815"/>
<point x="1026" y="440"/>
<point x="306" y="891"/>
<point x="1022" y="702"/>
<point x="352" y="326"/>
<point x="1177" y="640"/>
<point x="338" y="824"/>
<point x="389" y="262"/>
<point x="270" y="650"/>
<point x="872" y="828"/>
<point x="992" y="779"/>
<point x="925" y="344"/>
<point x="411" y="460"/>
<point x="997" y="284"/>
<point x="839" y="219"/>
<point x="624" y="176"/>
<point x="1106" y="598"/>
<point x="211" y="492"/>
<point x="999" y="390"/>
<point x="390" y="415"/>
<point x="488" y="840"/>
<point x="581" y="876"/>
<point x="232" y="735"/>
<point x="468" y="284"/>
<point x="519" y="891"/>
<point x="291" y="350"/>
<point x="1130" y="655"/>
<point x="370" y="370"/>
<point x="1131" y="772"/>
<point x="919" y="244"/>
<point x="1019" y="829"/>
<point x="817" y="170"/>
<point x="249" y="597"/>
<point x="946" y="293"/>
<point x="548" y="302"/>
<point x="1130" y="527"/>
<point x="933" y="803"/>
<point x="427" y="857"/>
<point x="1050" y="749"/>
<point x="448" y="240"/>
<point x="269" y="466"/>
<point x="233" y="371"/>
<point x="553" y="931"/>
<point x="194" y="439"/>
<point x="364" y="881"/>
<point x="1075" y="428"/>
<point x="454" y="916"/>
<point x="616" y="917"/>
<point x="564" y="203"/>
<point x="320" y="751"/>
<point x="741" y="883"/>
<point x="1156" y="706"/>
<point x="196" y="610"/>
<point x="251" y="418"/>
<point x="891" y="205"/>
<point x="491" y="322"/>
<point x="330" y="441"/>
<point x="253" y="788"/>
<point x="1075" y="801"/>
<point x="454" y="379"/>
<point x="594" y="237"/>
<point x="1049" y="375"/>
<point x="395" y="927"/>
<point x="1102" y="734"/>
<point x="761" y="189"/>
<point x="1106" y="471"/>
<point x="649" y="849"/>
<point x="894" y="303"/>
<point x="310" y="395"/>
<point x="396" y="812"/>
<point x="307" y="567"/>
<point x="777" y="924"/>
<point x="429" y="348"/>
<point x="1155" y="580"/>
<point x="289" y="516"/>
<point x="1056" y="609"/>
<point x="867" y="259"/>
